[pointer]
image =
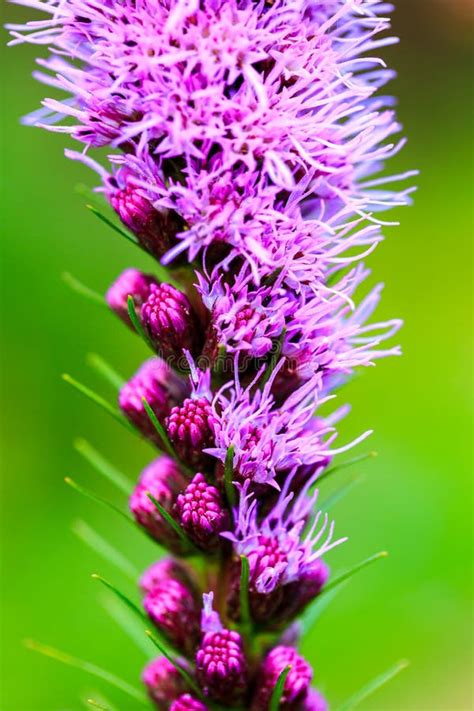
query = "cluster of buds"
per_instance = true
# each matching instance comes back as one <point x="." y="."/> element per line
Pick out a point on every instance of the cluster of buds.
<point x="246" y="144"/>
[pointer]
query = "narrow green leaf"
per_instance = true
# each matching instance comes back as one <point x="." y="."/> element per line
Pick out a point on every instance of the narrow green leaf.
<point x="352" y="571"/>
<point x="278" y="690"/>
<point x="167" y="445"/>
<point x="274" y="359"/>
<point x="187" y="544"/>
<point x="103" y="466"/>
<point x="90" y="668"/>
<point x="97" y="705"/>
<point x="131" y="605"/>
<point x="101" y="366"/>
<point x="99" y="500"/>
<point x="127" y="621"/>
<point x="82" y="289"/>
<point x="244" y="592"/>
<point x="373" y="686"/>
<point x="340" y="493"/>
<point x="175" y="661"/>
<point x="136" y="322"/>
<point x="314" y="611"/>
<point x="344" y="465"/>
<point x="98" y="400"/>
<point x="228" y="476"/>
<point x="97" y="212"/>
<point x="99" y="545"/>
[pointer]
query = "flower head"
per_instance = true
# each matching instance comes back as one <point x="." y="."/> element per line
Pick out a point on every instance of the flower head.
<point x="186" y="702"/>
<point x="220" y="661"/>
<point x="296" y="687"/>
<point x="155" y="382"/>
<point x="130" y="283"/>
<point x="163" y="682"/>
<point x="200" y="511"/>
<point x="174" y="610"/>
<point x="163" y="480"/>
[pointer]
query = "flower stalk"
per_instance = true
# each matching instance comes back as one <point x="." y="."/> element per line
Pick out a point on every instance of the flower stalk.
<point x="246" y="141"/>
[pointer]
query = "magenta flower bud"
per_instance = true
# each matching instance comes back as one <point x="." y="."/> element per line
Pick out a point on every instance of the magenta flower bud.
<point x="186" y="702"/>
<point x="191" y="427"/>
<point x="163" y="682"/>
<point x="170" y="321"/>
<point x="162" y="569"/>
<point x="156" y="230"/>
<point x="173" y="608"/>
<point x="296" y="688"/>
<point x="221" y="666"/>
<point x="160" y="386"/>
<point x="200" y="511"/>
<point x="131" y="282"/>
<point x="315" y="702"/>
<point x="163" y="480"/>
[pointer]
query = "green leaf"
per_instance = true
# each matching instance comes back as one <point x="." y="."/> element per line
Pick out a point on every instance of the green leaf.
<point x="103" y="704"/>
<point x="244" y="592"/>
<point x="104" y="467"/>
<point x="315" y="609"/>
<point x="340" y="493"/>
<point x="352" y="571"/>
<point x="136" y="322"/>
<point x="127" y="621"/>
<point x="176" y="663"/>
<point x="98" y="400"/>
<point x="166" y="442"/>
<point x="97" y="212"/>
<point x="274" y="359"/>
<point x="278" y="690"/>
<point x="99" y="545"/>
<point x="344" y="465"/>
<point x="99" y="500"/>
<point x="228" y="476"/>
<point x="101" y="366"/>
<point x="187" y="544"/>
<point x="373" y="686"/>
<point x="90" y="668"/>
<point x="82" y="289"/>
<point x="131" y="605"/>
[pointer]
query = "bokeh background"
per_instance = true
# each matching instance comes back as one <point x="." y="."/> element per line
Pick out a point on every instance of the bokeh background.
<point x="415" y="500"/>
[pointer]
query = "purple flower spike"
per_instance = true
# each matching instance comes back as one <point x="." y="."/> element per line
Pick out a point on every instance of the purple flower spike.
<point x="221" y="666"/>
<point x="174" y="610"/>
<point x="163" y="682"/>
<point x="295" y="690"/>
<point x="160" y="386"/>
<point x="200" y="511"/>
<point x="191" y="427"/>
<point x="130" y="283"/>
<point x="163" y="480"/>
<point x="186" y="702"/>
<point x="162" y="569"/>
<point x="170" y="322"/>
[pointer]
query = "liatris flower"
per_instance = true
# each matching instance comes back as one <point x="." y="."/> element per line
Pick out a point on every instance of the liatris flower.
<point x="160" y="387"/>
<point x="170" y="322"/>
<point x="246" y="139"/>
<point x="201" y="513"/>
<point x="130" y="283"/>
<point x="174" y="610"/>
<point x="283" y="558"/>
<point x="163" y="682"/>
<point x="220" y="661"/>
<point x="296" y="687"/>
<point x="163" y="480"/>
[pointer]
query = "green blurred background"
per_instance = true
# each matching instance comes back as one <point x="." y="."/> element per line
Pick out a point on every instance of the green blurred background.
<point x="415" y="500"/>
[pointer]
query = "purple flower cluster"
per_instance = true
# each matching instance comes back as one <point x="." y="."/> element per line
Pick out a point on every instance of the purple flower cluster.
<point x="246" y="141"/>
